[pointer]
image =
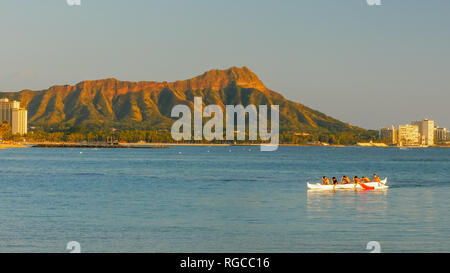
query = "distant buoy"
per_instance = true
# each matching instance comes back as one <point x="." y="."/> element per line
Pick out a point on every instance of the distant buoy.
<point x="81" y="153"/>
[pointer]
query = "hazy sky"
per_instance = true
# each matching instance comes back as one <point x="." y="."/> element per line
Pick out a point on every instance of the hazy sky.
<point x="370" y="66"/>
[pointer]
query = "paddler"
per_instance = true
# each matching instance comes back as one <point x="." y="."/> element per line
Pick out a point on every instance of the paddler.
<point x="335" y="182"/>
<point x="365" y="179"/>
<point x="345" y="180"/>
<point x="376" y="178"/>
<point x="356" y="181"/>
<point x="325" y="181"/>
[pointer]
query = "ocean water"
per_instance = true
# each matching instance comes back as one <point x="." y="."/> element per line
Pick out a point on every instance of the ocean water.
<point x="221" y="199"/>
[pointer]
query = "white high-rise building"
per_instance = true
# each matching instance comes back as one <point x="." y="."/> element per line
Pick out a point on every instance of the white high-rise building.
<point x="11" y="112"/>
<point x="426" y="130"/>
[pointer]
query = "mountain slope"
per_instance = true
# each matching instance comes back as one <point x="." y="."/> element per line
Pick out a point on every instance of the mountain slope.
<point x="147" y="105"/>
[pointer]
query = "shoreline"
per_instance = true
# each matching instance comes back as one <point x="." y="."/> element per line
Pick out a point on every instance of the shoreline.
<point x="165" y="144"/>
<point x="9" y="146"/>
<point x="283" y="144"/>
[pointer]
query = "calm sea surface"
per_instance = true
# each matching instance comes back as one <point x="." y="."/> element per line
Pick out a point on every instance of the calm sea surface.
<point x="221" y="199"/>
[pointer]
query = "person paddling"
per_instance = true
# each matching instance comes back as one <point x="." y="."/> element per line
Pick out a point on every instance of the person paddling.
<point x="365" y="179"/>
<point x="325" y="181"/>
<point x="376" y="178"/>
<point x="356" y="181"/>
<point x="345" y="180"/>
<point x="335" y="182"/>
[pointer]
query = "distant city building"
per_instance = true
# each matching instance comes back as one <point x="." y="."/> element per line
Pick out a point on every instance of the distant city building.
<point x="389" y="135"/>
<point x="426" y="131"/>
<point x="11" y="112"/>
<point x="408" y="135"/>
<point x="440" y="134"/>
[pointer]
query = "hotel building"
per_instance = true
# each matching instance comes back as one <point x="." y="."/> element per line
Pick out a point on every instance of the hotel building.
<point x="418" y="133"/>
<point x="11" y="112"/>
<point x="408" y="135"/>
<point x="440" y="134"/>
<point x="389" y="135"/>
<point x="426" y="131"/>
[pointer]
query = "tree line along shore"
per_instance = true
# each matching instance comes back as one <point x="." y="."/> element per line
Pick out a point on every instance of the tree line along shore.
<point x="78" y="135"/>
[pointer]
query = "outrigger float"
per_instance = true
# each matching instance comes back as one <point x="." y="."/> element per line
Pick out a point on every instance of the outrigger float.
<point x="359" y="186"/>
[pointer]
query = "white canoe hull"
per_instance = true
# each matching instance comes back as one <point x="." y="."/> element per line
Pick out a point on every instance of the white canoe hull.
<point x="377" y="186"/>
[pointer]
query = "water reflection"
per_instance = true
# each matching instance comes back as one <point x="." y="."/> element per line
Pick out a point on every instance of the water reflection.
<point x="319" y="203"/>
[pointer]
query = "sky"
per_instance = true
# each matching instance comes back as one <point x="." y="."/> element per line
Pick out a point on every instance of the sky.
<point x="371" y="66"/>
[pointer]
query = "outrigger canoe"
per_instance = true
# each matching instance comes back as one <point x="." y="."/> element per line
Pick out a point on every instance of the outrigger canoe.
<point x="360" y="186"/>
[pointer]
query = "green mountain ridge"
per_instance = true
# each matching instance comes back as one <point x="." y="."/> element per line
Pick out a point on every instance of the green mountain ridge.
<point x="147" y="105"/>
